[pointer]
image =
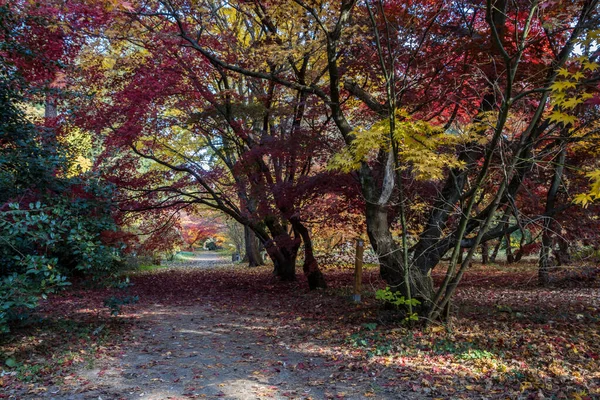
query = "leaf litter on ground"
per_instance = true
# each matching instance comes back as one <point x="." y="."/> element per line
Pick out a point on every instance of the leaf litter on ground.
<point x="234" y="332"/>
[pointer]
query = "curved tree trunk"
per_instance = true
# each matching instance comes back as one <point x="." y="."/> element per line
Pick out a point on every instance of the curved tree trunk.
<point x="252" y="256"/>
<point x="284" y="261"/>
<point x="282" y="249"/>
<point x="389" y="254"/>
<point x="313" y="274"/>
<point x="495" y="251"/>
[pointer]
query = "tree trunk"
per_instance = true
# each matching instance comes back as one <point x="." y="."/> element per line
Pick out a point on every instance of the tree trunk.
<point x="495" y="251"/>
<point x="562" y="254"/>
<point x="313" y="274"/>
<point x="282" y="249"/>
<point x="50" y="112"/>
<point x="545" y="261"/>
<point x="261" y="249"/>
<point x="509" y="256"/>
<point x="389" y="255"/>
<point x="284" y="262"/>
<point x="518" y="255"/>
<point x="485" y="256"/>
<point x="252" y="256"/>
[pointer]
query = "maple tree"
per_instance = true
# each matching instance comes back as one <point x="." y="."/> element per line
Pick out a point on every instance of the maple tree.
<point x="442" y="112"/>
<point x="476" y="68"/>
<point x="235" y="144"/>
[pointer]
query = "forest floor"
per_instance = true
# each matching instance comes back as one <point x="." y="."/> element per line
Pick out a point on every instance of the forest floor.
<point x="205" y="329"/>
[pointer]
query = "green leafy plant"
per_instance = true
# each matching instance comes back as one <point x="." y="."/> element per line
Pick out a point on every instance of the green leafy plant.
<point x="42" y="246"/>
<point x="375" y="343"/>
<point x="395" y="299"/>
<point x="475" y="354"/>
<point x="371" y="326"/>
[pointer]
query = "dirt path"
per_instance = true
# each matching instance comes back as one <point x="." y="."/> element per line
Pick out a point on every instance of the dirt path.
<point x="211" y="350"/>
<point x="204" y="259"/>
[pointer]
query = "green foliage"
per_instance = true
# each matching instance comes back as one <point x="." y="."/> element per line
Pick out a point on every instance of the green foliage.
<point x="463" y="350"/>
<point x="394" y="298"/>
<point x="372" y="341"/>
<point x="476" y="354"/>
<point x="388" y="296"/>
<point x="19" y="292"/>
<point x="67" y="232"/>
<point x="43" y="245"/>
<point x="150" y="267"/>
<point x="371" y="326"/>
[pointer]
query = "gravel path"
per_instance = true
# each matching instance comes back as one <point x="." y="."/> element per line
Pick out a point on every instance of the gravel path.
<point x="210" y="350"/>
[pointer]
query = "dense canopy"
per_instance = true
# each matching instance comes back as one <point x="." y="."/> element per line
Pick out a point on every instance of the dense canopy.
<point x="287" y="129"/>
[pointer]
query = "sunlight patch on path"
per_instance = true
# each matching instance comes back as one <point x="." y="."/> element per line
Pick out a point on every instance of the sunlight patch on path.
<point x="203" y="259"/>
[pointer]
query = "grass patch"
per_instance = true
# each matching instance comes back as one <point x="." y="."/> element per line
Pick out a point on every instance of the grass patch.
<point x="224" y="252"/>
<point x="152" y="267"/>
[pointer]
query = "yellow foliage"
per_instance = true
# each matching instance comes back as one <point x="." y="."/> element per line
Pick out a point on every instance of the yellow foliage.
<point x="584" y="199"/>
<point x="81" y="164"/>
<point x="589" y="65"/>
<point x="79" y="146"/>
<point x="418" y="143"/>
<point x="562" y="117"/>
<point x="562" y="85"/>
<point x="564" y="97"/>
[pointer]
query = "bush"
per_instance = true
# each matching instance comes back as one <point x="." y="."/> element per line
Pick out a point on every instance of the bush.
<point x="396" y="300"/>
<point x="20" y="292"/>
<point x="44" y="245"/>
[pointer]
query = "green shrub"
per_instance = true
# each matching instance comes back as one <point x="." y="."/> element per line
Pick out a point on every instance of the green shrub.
<point x="42" y="246"/>
<point x="396" y="300"/>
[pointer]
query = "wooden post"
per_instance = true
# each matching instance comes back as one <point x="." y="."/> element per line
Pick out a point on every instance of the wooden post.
<point x="358" y="264"/>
